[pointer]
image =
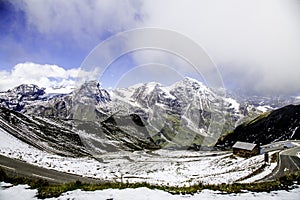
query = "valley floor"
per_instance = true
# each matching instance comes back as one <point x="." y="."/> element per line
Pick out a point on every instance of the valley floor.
<point x="162" y="167"/>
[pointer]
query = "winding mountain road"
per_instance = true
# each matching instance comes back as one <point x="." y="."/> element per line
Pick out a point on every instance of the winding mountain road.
<point x="288" y="162"/>
<point x="19" y="168"/>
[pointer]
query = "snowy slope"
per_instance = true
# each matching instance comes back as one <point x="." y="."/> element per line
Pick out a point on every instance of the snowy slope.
<point x="162" y="167"/>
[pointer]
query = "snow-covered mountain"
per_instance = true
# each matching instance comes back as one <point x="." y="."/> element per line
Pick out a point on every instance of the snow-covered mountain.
<point x="178" y="115"/>
<point x="186" y="114"/>
<point x="19" y="97"/>
<point x="32" y="100"/>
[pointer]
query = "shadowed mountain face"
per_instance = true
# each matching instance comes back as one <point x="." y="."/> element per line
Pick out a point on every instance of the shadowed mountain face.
<point x="73" y="137"/>
<point x="277" y="125"/>
<point x="53" y="136"/>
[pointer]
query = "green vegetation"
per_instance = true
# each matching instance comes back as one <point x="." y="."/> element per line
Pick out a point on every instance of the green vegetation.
<point x="264" y="115"/>
<point x="54" y="190"/>
<point x="247" y="121"/>
<point x="223" y="136"/>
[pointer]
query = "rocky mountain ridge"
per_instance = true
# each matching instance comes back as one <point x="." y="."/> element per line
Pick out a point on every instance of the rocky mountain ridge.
<point x="20" y="96"/>
<point x="185" y="115"/>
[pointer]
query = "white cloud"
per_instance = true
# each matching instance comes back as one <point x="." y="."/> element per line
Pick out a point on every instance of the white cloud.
<point x="52" y="77"/>
<point x="34" y="71"/>
<point x="256" y="43"/>
<point x="150" y="72"/>
<point x="81" y="21"/>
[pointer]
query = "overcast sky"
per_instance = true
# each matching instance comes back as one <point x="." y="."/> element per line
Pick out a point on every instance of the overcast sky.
<point x="255" y="44"/>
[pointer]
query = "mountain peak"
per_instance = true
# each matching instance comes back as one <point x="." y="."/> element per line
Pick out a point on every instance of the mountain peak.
<point x="27" y="89"/>
<point x="92" y="90"/>
<point x="21" y="95"/>
<point x="189" y="80"/>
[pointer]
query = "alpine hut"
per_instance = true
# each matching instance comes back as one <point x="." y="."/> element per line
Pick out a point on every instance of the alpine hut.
<point x="245" y="149"/>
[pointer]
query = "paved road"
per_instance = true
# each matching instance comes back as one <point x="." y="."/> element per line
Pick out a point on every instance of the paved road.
<point x="277" y="145"/>
<point x="288" y="162"/>
<point x="22" y="169"/>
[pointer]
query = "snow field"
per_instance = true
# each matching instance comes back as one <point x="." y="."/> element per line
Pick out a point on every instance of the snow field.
<point x="162" y="167"/>
<point x="7" y="191"/>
